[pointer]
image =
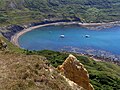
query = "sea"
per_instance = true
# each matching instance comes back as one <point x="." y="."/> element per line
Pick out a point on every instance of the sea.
<point x="73" y="38"/>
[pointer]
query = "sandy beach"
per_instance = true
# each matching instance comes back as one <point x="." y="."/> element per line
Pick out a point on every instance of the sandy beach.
<point x="14" y="38"/>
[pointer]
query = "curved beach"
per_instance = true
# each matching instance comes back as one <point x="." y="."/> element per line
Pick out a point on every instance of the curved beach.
<point x="14" y="38"/>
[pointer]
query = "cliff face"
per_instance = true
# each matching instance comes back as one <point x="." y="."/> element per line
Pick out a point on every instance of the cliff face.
<point x="11" y="31"/>
<point x="75" y="71"/>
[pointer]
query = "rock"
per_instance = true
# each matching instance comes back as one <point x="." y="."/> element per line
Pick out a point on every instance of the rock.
<point x="73" y="85"/>
<point x="12" y="29"/>
<point x="75" y="71"/>
<point x="3" y="45"/>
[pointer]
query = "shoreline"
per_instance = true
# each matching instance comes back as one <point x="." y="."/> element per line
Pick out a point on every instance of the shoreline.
<point x="92" y="26"/>
<point x="14" y="38"/>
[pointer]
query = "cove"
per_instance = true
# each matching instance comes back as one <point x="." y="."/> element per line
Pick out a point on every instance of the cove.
<point x="103" y="41"/>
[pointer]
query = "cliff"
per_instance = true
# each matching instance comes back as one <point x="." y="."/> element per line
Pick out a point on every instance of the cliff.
<point x="76" y="72"/>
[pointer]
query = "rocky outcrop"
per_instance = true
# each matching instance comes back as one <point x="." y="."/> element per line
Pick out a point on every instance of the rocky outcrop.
<point x="72" y="84"/>
<point x="3" y="45"/>
<point x="11" y="31"/>
<point x="75" y="71"/>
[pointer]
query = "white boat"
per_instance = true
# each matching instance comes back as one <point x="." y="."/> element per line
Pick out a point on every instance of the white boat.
<point x="62" y="36"/>
<point x="87" y="36"/>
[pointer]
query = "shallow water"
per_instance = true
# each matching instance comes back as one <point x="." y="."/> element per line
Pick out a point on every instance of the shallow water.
<point x="106" y="40"/>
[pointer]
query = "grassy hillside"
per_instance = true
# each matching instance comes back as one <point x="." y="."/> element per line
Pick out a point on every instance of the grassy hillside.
<point x="103" y="75"/>
<point x="29" y="72"/>
<point x="24" y="11"/>
<point x="21" y="69"/>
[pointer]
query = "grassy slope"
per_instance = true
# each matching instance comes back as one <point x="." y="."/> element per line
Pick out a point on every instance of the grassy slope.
<point x="29" y="72"/>
<point x="103" y="75"/>
<point x="11" y="47"/>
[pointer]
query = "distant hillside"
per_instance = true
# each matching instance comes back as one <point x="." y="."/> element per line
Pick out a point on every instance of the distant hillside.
<point x="23" y="11"/>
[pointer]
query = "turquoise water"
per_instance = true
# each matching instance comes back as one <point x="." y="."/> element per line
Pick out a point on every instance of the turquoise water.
<point x="106" y="40"/>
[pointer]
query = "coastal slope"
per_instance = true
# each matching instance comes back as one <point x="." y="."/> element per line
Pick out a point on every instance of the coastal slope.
<point x="31" y="72"/>
<point x="103" y="75"/>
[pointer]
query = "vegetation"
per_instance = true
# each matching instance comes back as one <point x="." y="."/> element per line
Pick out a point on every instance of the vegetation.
<point x="29" y="72"/>
<point x="10" y="46"/>
<point x="24" y="11"/>
<point x="103" y="75"/>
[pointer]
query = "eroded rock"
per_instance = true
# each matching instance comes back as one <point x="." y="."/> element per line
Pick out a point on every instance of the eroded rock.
<point x="75" y="71"/>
